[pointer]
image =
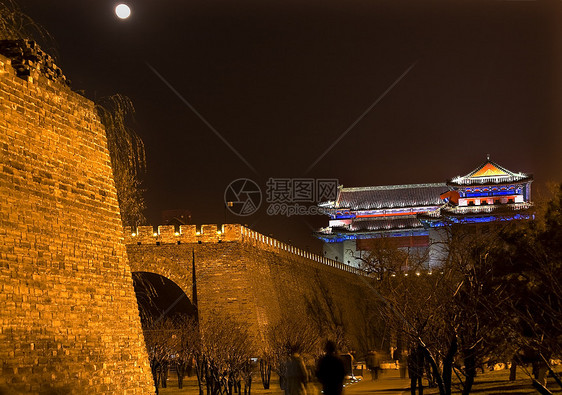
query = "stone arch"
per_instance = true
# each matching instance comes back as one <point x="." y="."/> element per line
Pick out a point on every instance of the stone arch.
<point x="159" y="296"/>
<point x="173" y="266"/>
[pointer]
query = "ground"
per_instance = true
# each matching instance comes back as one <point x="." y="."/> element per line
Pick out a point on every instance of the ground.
<point x="489" y="383"/>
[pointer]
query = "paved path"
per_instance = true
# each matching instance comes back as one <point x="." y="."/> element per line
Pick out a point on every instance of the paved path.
<point x="389" y="383"/>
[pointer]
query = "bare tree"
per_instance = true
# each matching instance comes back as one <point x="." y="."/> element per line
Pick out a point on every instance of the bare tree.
<point x="187" y="344"/>
<point x="287" y="336"/>
<point x="224" y="354"/>
<point x="127" y="154"/>
<point x="444" y="310"/>
<point x="16" y="25"/>
<point x="161" y="344"/>
<point x="529" y="268"/>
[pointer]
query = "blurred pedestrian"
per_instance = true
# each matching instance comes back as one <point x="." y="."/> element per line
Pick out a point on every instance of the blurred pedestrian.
<point x="415" y="369"/>
<point x="330" y="371"/>
<point x="403" y="363"/>
<point x="377" y="364"/>
<point x="296" y="375"/>
<point x="394" y="355"/>
<point x="370" y="360"/>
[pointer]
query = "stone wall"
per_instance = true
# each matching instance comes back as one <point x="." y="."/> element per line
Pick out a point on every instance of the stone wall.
<point x="254" y="277"/>
<point x="69" y="321"/>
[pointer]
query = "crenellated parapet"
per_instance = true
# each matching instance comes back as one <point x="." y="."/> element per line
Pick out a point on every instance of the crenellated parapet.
<point x="169" y="234"/>
<point x="252" y="277"/>
<point x="29" y="61"/>
<point x="269" y="243"/>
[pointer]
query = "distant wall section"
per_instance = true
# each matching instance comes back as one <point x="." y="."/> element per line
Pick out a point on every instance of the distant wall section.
<point x="254" y="277"/>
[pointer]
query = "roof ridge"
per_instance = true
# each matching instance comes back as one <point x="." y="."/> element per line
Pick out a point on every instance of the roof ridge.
<point x="386" y="218"/>
<point x="470" y="178"/>
<point x="498" y="166"/>
<point x="393" y="187"/>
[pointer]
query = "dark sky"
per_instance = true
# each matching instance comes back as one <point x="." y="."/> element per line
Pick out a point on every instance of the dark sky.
<point x="282" y="80"/>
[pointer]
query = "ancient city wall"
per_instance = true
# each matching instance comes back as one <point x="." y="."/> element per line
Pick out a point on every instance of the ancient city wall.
<point x="254" y="277"/>
<point x="69" y="320"/>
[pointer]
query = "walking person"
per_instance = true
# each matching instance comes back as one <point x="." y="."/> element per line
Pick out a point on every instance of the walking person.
<point x="296" y="375"/>
<point x="377" y="364"/>
<point x="370" y="360"/>
<point x="396" y="357"/>
<point x="415" y="369"/>
<point x="330" y="371"/>
<point x="403" y="363"/>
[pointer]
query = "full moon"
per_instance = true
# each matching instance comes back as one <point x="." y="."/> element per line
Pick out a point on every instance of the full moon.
<point x="122" y="11"/>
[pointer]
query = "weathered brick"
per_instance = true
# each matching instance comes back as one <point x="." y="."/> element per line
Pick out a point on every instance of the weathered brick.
<point x="252" y="277"/>
<point x="66" y="291"/>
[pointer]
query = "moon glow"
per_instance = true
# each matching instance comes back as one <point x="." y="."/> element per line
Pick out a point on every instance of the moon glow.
<point x="122" y="11"/>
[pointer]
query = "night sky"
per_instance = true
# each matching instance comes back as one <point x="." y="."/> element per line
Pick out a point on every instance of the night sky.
<point x="282" y="80"/>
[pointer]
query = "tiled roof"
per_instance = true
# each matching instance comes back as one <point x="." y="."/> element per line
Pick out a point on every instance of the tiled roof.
<point x="449" y="211"/>
<point x="489" y="172"/>
<point x="393" y="196"/>
<point x="485" y="209"/>
<point x="369" y="225"/>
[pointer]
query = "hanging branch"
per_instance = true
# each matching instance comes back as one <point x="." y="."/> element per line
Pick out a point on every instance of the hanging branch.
<point x="127" y="153"/>
<point x="16" y="25"/>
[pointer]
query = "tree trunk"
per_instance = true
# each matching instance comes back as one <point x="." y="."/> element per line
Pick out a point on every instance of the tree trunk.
<point x="248" y="385"/>
<point x="265" y="373"/>
<point x="470" y="370"/>
<point x="230" y="385"/>
<point x="541" y="388"/>
<point x="164" y="374"/>
<point x="552" y="372"/>
<point x="154" y="365"/>
<point x="448" y="366"/>
<point x="181" y="368"/>
<point x="436" y="373"/>
<point x="199" y="374"/>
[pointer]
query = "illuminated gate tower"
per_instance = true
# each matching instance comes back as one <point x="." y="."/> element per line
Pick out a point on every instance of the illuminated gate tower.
<point x="410" y="216"/>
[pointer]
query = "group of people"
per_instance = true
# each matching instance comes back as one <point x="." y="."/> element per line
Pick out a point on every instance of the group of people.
<point x="412" y="362"/>
<point x="330" y="371"/>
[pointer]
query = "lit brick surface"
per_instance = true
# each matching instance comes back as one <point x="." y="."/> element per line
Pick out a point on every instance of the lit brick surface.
<point x="252" y="277"/>
<point x="68" y="319"/>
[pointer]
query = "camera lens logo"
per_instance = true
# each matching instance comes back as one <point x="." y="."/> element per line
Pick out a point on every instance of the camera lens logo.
<point x="242" y="197"/>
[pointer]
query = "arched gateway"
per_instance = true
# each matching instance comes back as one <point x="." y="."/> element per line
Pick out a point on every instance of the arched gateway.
<point x="252" y="277"/>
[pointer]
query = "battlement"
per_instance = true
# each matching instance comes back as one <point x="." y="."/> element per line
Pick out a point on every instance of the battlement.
<point x="269" y="243"/>
<point x="167" y="234"/>
<point x="30" y="61"/>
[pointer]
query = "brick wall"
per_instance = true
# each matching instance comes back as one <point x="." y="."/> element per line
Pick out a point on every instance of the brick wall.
<point x="253" y="277"/>
<point x="69" y="321"/>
